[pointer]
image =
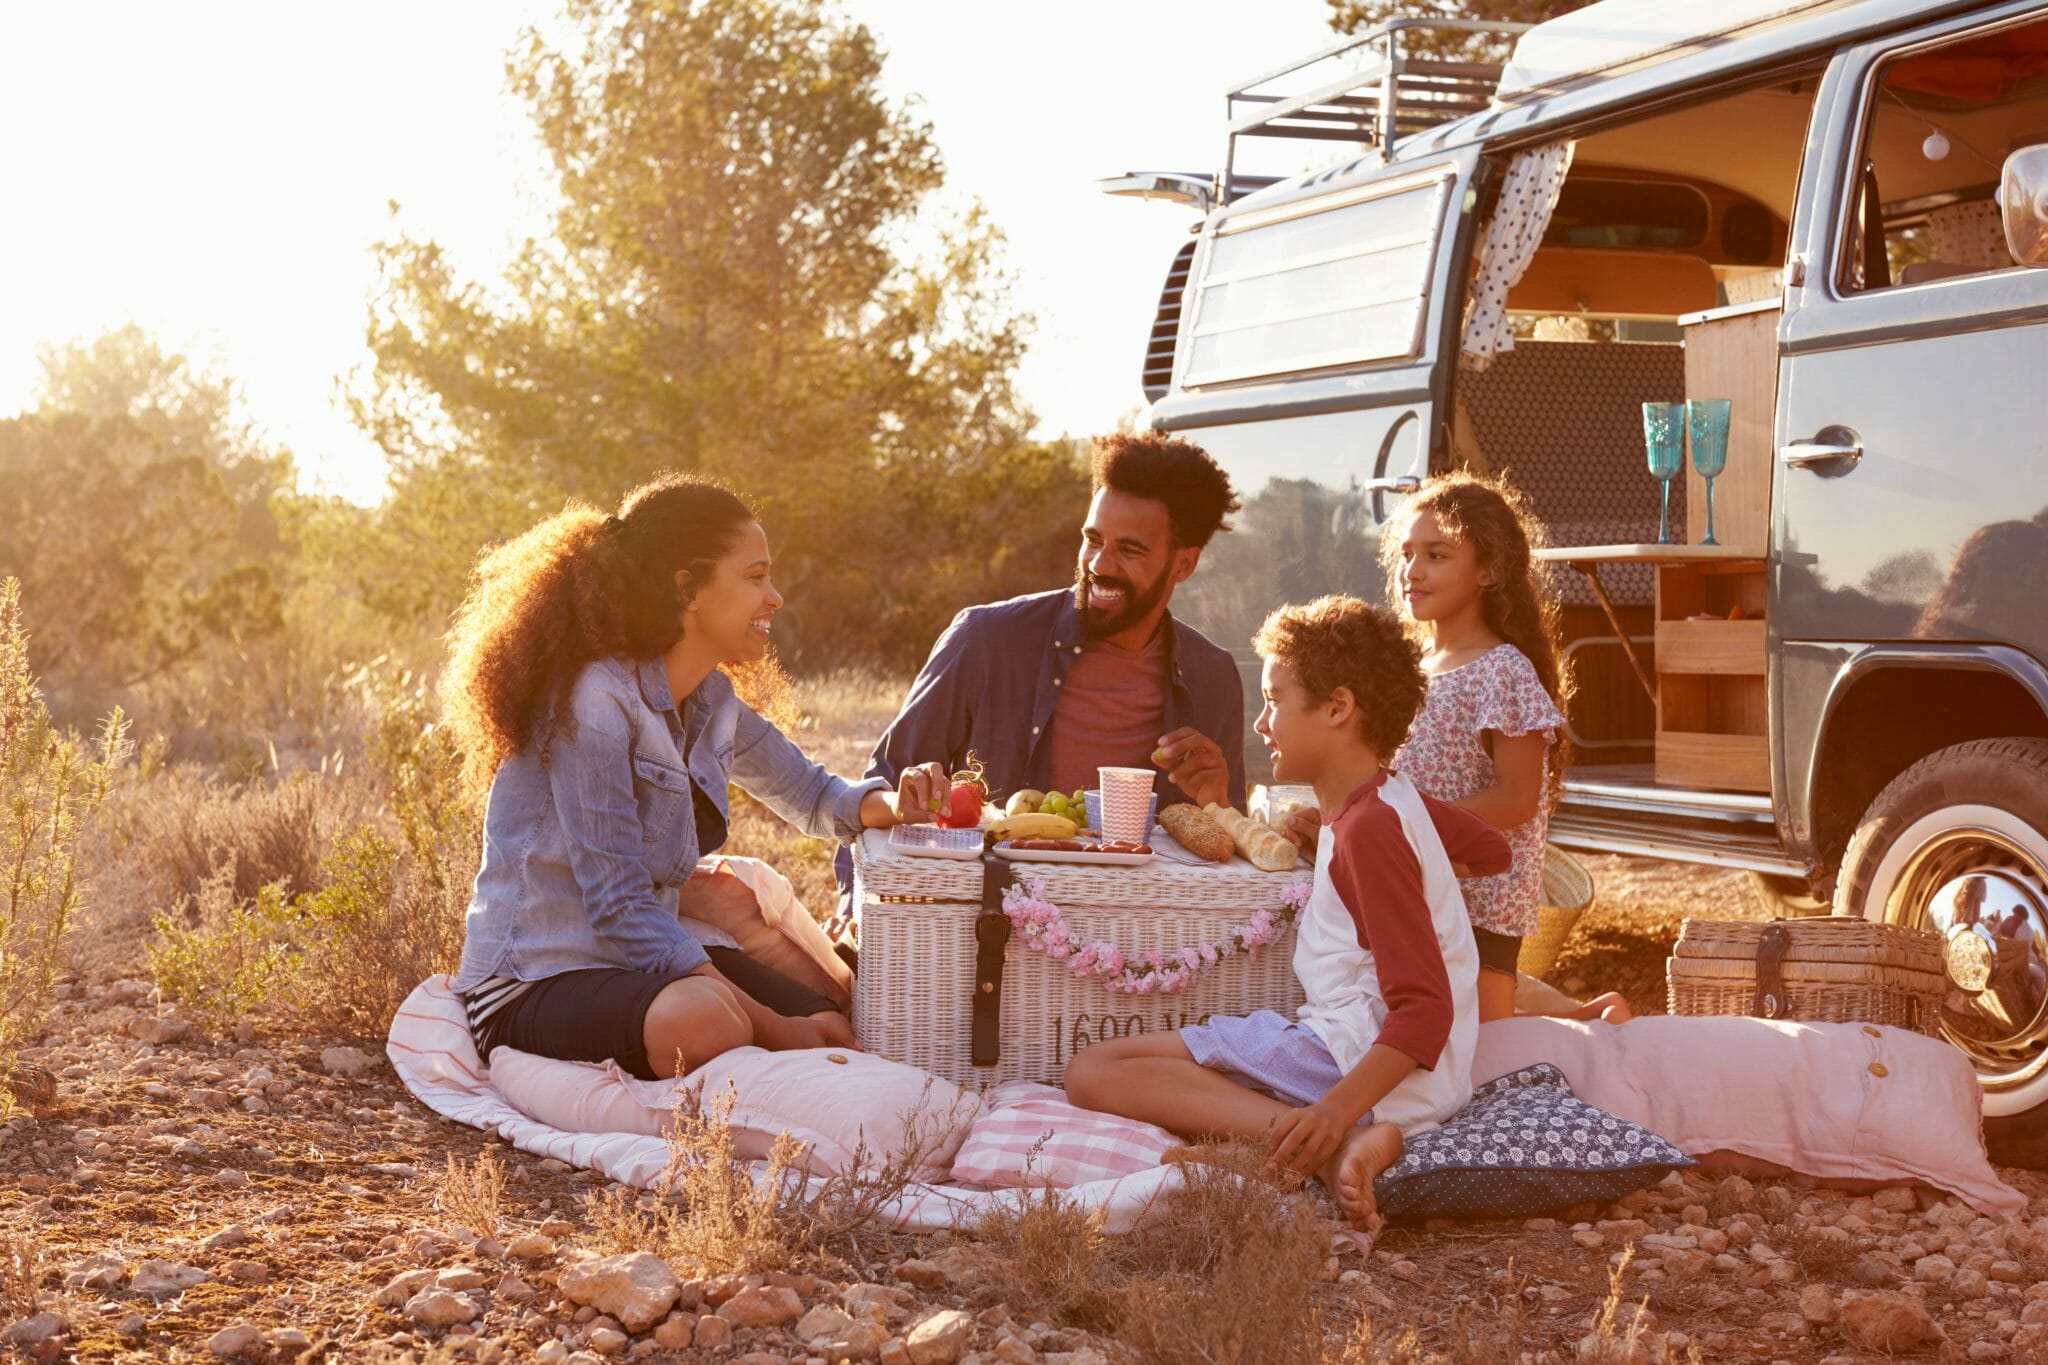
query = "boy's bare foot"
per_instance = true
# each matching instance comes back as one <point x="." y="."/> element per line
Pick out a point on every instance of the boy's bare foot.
<point x="1364" y="1153"/>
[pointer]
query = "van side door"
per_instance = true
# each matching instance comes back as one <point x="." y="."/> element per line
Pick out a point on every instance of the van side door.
<point x="1911" y="485"/>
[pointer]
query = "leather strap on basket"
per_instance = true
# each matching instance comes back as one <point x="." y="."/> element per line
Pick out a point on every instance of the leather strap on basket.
<point x="991" y="936"/>
<point x="1772" y="1000"/>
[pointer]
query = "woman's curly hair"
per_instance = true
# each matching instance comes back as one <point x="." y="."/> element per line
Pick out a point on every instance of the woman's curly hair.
<point x="1494" y="518"/>
<point x="579" y="587"/>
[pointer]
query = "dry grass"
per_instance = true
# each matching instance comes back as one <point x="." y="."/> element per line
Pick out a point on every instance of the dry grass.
<point x="174" y="833"/>
<point x="21" y="1273"/>
<point x="1225" y="1275"/>
<point x="710" y="1211"/>
<point x="473" y="1193"/>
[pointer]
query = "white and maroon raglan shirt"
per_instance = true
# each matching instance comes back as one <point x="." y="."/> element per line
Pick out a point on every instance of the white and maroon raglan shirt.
<point x="1384" y="948"/>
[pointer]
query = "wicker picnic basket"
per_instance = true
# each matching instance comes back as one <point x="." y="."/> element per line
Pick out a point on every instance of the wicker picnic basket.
<point x="1567" y="894"/>
<point x="914" y="996"/>
<point x="1825" y="969"/>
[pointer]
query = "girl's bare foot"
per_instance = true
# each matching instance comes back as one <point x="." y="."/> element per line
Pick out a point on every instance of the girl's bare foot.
<point x="1365" y="1151"/>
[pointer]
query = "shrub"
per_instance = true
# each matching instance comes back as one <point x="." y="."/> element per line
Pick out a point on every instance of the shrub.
<point x="220" y="957"/>
<point x="51" y="783"/>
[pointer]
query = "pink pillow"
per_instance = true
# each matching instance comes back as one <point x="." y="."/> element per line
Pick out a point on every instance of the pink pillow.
<point x="829" y="1099"/>
<point x="1028" y="1134"/>
<point x="1833" y="1101"/>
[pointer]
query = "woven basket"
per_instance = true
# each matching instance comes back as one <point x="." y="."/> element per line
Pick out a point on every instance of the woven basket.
<point x="913" y="996"/>
<point x="1835" y="970"/>
<point x="1567" y="894"/>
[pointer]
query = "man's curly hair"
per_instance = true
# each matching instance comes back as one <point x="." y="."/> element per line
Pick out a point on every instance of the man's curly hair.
<point x="1336" y="642"/>
<point x="1147" y="464"/>
<point x="579" y="587"/>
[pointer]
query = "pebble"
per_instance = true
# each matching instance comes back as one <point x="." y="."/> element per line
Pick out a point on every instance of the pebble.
<point x="247" y="1272"/>
<point x="638" y="1289"/>
<point x="940" y="1339"/>
<point x="239" y="1339"/>
<point x="161" y="1279"/>
<point x="531" y="1247"/>
<point x="233" y="1235"/>
<point x="607" y="1341"/>
<point x="131" y="1327"/>
<point x="229" y="1178"/>
<point x="346" y="1061"/>
<point x="675" y="1332"/>
<point x="441" y="1308"/>
<point x="461" y="1277"/>
<point x="712" y="1333"/>
<point x="1887" y="1322"/>
<point x="763" y="1307"/>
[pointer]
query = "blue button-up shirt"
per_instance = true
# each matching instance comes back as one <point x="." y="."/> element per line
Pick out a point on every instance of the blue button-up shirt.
<point x="583" y="856"/>
<point x="995" y="675"/>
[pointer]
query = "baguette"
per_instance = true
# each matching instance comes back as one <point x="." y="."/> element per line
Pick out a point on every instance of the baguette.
<point x="1194" y="830"/>
<point x="1268" y="849"/>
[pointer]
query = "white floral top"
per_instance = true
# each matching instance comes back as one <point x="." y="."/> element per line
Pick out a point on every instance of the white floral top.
<point x="1445" y="758"/>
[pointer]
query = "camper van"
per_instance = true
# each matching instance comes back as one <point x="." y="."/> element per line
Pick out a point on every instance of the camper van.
<point x="1833" y="215"/>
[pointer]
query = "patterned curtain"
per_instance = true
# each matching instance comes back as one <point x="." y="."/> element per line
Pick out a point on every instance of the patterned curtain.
<point x="1971" y="234"/>
<point x="1527" y="197"/>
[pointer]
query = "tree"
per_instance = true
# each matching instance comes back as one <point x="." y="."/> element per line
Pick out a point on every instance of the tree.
<point x="725" y="290"/>
<point x="1355" y="16"/>
<point x="136" y="512"/>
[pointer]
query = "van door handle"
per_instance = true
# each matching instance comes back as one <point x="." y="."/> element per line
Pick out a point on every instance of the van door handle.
<point x="1406" y="485"/>
<point x="1831" y="446"/>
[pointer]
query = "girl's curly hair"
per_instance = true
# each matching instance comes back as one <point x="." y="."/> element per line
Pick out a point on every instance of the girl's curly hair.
<point x="1494" y="518"/>
<point x="579" y="587"/>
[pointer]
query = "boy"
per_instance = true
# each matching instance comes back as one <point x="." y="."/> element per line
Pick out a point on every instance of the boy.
<point x="1383" y="949"/>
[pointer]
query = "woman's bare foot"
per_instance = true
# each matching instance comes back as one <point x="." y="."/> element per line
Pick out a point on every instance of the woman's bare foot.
<point x="1365" y="1151"/>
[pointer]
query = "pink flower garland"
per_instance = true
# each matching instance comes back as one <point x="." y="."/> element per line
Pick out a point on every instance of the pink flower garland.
<point x="1041" y="925"/>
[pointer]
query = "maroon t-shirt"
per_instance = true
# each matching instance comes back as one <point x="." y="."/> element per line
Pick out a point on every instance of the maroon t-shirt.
<point x="1110" y="712"/>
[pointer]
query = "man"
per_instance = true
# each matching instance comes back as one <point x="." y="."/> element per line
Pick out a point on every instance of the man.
<point x="1044" y="689"/>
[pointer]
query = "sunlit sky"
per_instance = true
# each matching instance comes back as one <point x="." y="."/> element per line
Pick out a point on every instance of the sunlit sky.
<point x="218" y="172"/>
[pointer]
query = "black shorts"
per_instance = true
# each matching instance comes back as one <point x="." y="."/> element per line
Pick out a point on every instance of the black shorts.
<point x="1497" y="952"/>
<point x="600" y="1014"/>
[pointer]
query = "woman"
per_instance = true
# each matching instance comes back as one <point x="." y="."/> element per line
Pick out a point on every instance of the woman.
<point x="586" y="693"/>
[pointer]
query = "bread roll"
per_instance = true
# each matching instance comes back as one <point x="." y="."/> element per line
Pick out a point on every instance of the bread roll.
<point x="1195" y="831"/>
<point x="1268" y="850"/>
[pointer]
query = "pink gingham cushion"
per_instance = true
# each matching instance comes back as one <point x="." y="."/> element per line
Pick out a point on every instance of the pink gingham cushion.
<point x="1028" y="1134"/>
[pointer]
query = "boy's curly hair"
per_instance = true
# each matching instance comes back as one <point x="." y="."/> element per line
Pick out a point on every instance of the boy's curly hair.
<point x="1148" y="464"/>
<point x="1336" y="642"/>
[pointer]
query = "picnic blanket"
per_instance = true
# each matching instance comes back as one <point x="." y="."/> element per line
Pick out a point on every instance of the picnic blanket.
<point x="432" y="1051"/>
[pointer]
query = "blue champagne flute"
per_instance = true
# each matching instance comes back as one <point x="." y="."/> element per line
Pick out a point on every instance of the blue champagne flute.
<point x="1707" y="418"/>
<point x="1664" y="438"/>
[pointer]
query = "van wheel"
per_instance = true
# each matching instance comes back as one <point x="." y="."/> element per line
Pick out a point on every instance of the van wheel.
<point x="1958" y="844"/>
<point x="1787" y="897"/>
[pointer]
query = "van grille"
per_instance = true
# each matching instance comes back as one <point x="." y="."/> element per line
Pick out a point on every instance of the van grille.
<point x="1158" y="375"/>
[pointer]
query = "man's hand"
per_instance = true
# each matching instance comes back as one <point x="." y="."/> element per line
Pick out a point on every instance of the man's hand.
<point x="716" y="897"/>
<point x="1196" y="765"/>
<point x="1305" y="1138"/>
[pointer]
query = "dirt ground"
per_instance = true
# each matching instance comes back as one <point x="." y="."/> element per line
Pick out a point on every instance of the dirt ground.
<point x="284" y="1189"/>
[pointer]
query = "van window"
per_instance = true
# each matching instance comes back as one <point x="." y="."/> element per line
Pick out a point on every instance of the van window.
<point x="1936" y="130"/>
<point x="1339" y="285"/>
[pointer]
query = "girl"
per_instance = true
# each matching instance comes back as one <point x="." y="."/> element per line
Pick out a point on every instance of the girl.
<point x="1490" y="735"/>
<point x="586" y="692"/>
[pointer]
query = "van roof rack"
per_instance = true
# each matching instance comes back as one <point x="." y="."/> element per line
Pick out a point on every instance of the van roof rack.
<point x="1387" y="93"/>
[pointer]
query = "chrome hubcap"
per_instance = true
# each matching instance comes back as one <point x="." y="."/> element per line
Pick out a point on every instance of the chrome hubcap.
<point x="1988" y="899"/>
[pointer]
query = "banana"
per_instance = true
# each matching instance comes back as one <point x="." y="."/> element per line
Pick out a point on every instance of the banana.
<point x="1033" y="827"/>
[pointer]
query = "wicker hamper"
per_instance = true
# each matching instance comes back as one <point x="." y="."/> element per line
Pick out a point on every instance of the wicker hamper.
<point x="914" y="995"/>
<point x="1825" y="970"/>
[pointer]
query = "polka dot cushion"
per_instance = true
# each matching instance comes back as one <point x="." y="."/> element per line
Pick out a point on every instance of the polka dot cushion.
<point x="1523" y="1146"/>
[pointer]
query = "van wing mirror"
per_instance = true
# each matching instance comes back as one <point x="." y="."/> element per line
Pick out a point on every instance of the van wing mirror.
<point x="1175" y="187"/>
<point x="2023" y="202"/>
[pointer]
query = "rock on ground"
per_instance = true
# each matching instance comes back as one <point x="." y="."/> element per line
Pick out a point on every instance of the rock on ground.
<point x="638" y="1288"/>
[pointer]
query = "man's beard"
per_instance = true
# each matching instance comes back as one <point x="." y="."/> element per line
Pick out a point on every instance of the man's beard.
<point x="1138" y="603"/>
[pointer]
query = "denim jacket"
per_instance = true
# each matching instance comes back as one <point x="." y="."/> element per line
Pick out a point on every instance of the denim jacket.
<point x="583" y="855"/>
